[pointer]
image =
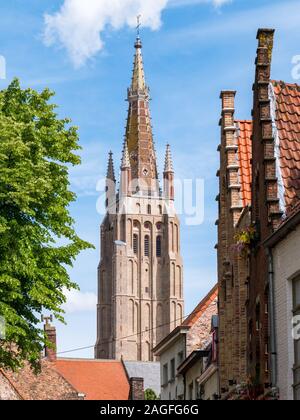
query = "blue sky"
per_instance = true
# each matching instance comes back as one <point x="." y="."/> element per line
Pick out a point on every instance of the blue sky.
<point x="192" y="50"/>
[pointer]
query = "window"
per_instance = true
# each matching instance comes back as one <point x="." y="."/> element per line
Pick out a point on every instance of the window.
<point x="148" y="209"/>
<point x="165" y="374"/>
<point x="135" y="243"/>
<point x="258" y="317"/>
<point x="267" y="366"/>
<point x="158" y="246"/>
<point x="147" y="246"/>
<point x="296" y="312"/>
<point x="160" y="209"/>
<point x="173" y="373"/>
<point x="180" y="358"/>
<point x="214" y="346"/>
<point x="191" y="391"/>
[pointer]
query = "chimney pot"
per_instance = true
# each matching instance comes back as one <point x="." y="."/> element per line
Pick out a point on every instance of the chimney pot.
<point x="137" y="392"/>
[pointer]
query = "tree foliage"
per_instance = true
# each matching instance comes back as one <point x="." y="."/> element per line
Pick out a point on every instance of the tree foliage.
<point x="36" y="150"/>
<point x="150" y="395"/>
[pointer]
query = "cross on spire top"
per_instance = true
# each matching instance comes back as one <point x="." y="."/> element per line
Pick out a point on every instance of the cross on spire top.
<point x="138" y="19"/>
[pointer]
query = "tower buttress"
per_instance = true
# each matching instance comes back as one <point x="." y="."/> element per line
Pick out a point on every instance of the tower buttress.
<point x="110" y="185"/>
<point x="169" y="175"/>
<point x="125" y="181"/>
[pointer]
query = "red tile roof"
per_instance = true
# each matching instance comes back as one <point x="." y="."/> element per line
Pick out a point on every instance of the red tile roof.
<point x="48" y="385"/>
<point x="288" y="126"/>
<point x="244" y="156"/>
<point x="201" y="308"/>
<point x="97" y="379"/>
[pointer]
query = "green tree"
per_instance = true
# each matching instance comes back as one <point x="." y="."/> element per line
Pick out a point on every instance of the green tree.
<point x="37" y="237"/>
<point x="150" y="395"/>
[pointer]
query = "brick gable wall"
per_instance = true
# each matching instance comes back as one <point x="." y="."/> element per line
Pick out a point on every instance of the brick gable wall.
<point x="266" y="213"/>
<point x="232" y="267"/>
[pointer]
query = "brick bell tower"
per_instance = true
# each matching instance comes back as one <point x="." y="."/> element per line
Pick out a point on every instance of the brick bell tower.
<point x="140" y="275"/>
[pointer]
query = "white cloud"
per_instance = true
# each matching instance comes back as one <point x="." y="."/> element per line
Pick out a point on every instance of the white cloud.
<point x="79" y="301"/>
<point x="180" y="3"/>
<point x="79" y="25"/>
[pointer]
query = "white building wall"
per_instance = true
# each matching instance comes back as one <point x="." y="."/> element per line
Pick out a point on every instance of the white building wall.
<point x="286" y="257"/>
<point x="172" y="389"/>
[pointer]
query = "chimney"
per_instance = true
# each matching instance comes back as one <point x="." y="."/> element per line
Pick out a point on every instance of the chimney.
<point x="50" y="333"/>
<point x="230" y="147"/>
<point x="263" y="134"/>
<point x="137" y="392"/>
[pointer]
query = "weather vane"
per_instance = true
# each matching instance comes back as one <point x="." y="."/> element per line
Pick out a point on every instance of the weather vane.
<point x="138" y="18"/>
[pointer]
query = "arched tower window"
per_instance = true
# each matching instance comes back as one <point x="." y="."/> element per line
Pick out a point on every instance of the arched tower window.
<point x="135" y="243"/>
<point x="147" y="246"/>
<point x="176" y="238"/>
<point x="158" y="246"/>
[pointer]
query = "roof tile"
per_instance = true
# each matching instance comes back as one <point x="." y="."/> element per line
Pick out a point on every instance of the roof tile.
<point x="201" y="308"/>
<point x="97" y="379"/>
<point x="244" y="156"/>
<point x="288" y="126"/>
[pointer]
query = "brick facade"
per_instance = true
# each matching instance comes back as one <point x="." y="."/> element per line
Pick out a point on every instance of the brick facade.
<point x="233" y="270"/>
<point x="266" y="214"/>
<point x="137" y="392"/>
<point x="246" y="304"/>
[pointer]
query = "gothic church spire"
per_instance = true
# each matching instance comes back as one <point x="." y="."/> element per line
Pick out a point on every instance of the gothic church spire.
<point x="139" y="135"/>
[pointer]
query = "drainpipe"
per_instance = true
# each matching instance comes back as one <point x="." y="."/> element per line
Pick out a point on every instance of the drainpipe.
<point x="273" y="343"/>
<point x="184" y="386"/>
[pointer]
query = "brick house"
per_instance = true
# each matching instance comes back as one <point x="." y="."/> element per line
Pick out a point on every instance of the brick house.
<point x="275" y="191"/>
<point x="233" y="268"/>
<point x="70" y="379"/>
<point x="25" y="385"/>
<point x="248" y="308"/>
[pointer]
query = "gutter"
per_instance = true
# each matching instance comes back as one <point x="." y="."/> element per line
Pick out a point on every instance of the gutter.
<point x="273" y="343"/>
<point x="280" y="234"/>
<point x="287" y="227"/>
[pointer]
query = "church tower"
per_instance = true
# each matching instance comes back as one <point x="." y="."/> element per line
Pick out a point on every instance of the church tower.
<point x="140" y="275"/>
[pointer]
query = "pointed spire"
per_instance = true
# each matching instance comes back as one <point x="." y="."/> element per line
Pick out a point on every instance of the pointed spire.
<point x="125" y="158"/>
<point x="138" y="83"/>
<point x="168" y="160"/>
<point x="110" y="168"/>
<point x="139" y="136"/>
